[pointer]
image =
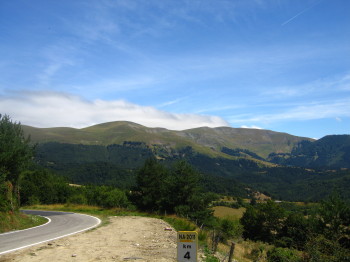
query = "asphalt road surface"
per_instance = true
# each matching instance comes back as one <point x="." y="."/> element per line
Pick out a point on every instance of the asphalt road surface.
<point x="60" y="224"/>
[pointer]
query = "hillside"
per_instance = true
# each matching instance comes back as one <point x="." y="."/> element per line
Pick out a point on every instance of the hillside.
<point x="229" y="159"/>
<point x="328" y="152"/>
<point x="205" y="140"/>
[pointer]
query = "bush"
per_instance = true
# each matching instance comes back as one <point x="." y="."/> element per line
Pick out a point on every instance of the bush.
<point x="256" y="254"/>
<point x="230" y="228"/>
<point x="180" y="224"/>
<point x="79" y="199"/>
<point x="321" y="249"/>
<point x="202" y="236"/>
<point x="282" y="255"/>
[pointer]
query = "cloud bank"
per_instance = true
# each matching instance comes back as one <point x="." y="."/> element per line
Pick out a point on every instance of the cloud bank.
<point x="53" y="109"/>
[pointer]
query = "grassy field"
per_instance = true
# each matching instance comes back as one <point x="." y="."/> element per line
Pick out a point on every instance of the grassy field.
<point x="228" y="212"/>
<point x="10" y="221"/>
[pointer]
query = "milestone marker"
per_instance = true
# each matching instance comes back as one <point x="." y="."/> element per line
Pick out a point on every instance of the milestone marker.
<point x="187" y="242"/>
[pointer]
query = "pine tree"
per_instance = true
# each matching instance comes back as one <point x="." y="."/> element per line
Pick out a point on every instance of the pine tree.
<point x="152" y="186"/>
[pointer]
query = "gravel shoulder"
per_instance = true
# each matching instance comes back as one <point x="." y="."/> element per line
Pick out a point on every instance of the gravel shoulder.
<point x="128" y="238"/>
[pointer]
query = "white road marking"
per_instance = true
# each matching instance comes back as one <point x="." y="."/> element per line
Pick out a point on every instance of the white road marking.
<point x="37" y="243"/>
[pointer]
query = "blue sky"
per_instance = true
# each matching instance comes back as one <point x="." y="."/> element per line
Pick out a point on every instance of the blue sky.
<point x="273" y="64"/>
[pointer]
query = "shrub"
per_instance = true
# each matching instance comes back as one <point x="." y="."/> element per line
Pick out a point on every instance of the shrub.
<point x="282" y="255"/>
<point x="230" y="228"/>
<point x="321" y="249"/>
<point x="79" y="199"/>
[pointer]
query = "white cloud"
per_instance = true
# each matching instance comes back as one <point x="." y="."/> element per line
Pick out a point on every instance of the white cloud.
<point x="251" y="127"/>
<point x="319" y="87"/>
<point x="52" y="109"/>
<point x="172" y="102"/>
<point x="338" y="119"/>
<point x="56" y="58"/>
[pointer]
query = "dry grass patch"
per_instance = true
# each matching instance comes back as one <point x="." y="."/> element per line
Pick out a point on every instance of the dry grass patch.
<point x="228" y="212"/>
<point x="10" y="221"/>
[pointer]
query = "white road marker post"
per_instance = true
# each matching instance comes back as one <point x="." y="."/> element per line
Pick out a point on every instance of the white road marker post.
<point x="187" y="244"/>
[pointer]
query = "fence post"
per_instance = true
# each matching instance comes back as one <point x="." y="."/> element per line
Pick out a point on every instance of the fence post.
<point x="232" y="250"/>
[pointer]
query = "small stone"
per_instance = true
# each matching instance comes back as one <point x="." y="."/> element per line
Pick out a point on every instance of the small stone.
<point x="74" y="255"/>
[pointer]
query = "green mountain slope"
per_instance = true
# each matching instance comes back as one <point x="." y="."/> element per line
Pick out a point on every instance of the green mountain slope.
<point x="331" y="151"/>
<point x="116" y="165"/>
<point x="229" y="159"/>
<point x="209" y="141"/>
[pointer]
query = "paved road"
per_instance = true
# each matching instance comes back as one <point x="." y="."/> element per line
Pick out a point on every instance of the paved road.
<point x="60" y="224"/>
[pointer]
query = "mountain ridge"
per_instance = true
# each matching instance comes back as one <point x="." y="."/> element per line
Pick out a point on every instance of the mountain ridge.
<point x="332" y="151"/>
<point x="203" y="139"/>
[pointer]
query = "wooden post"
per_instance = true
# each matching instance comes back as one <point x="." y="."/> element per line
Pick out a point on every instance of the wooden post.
<point x="232" y="250"/>
<point x="213" y="242"/>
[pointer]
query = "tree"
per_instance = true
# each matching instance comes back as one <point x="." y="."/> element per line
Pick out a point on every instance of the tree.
<point x="334" y="219"/>
<point x="252" y="224"/>
<point x="39" y="185"/>
<point x="263" y="221"/>
<point x="151" y="189"/>
<point x="184" y="184"/>
<point x="15" y="154"/>
<point x="295" y="232"/>
<point x="174" y="190"/>
<point x="186" y="197"/>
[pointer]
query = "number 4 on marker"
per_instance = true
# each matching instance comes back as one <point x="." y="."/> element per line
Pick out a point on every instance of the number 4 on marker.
<point x="187" y="255"/>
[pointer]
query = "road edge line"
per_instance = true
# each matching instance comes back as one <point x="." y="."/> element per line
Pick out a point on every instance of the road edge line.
<point x="15" y="249"/>
<point x="20" y="230"/>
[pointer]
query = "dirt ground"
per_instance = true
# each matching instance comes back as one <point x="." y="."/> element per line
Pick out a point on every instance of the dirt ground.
<point x="123" y="239"/>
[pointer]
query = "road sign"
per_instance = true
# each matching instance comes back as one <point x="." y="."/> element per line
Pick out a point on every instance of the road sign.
<point x="187" y="242"/>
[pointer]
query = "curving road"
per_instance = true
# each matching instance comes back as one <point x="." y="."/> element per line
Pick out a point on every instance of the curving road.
<point x="60" y="224"/>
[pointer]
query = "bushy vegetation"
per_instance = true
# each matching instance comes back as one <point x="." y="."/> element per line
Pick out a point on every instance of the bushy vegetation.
<point x="323" y="235"/>
<point x="283" y="255"/>
<point x="40" y="186"/>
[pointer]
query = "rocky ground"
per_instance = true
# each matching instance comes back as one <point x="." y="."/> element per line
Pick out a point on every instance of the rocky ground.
<point x="123" y="239"/>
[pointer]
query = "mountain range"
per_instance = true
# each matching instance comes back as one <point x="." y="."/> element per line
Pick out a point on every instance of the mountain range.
<point x="205" y="140"/>
<point x="230" y="159"/>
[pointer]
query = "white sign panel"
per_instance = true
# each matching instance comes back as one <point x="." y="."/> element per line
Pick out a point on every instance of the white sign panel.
<point x="187" y="242"/>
